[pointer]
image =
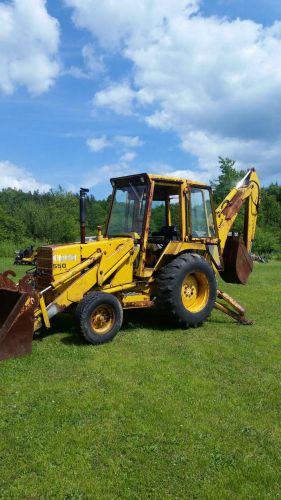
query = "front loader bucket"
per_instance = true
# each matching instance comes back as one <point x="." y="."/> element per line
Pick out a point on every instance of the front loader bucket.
<point x="17" y="304"/>
<point x="238" y="264"/>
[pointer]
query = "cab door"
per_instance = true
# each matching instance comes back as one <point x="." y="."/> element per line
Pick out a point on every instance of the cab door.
<point x="201" y="215"/>
<point x="202" y="221"/>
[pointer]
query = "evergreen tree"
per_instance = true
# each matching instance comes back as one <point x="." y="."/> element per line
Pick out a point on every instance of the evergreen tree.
<point x="227" y="179"/>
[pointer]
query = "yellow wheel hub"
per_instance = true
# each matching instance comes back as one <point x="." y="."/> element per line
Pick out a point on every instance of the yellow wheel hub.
<point x="102" y="319"/>
<point x="195" y="292"/>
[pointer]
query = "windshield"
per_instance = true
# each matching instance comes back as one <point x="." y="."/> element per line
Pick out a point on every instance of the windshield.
<point x="128" y="210"/>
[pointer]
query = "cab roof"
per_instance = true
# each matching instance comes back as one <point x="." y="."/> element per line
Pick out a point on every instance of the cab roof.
<point x="145" y="178"/>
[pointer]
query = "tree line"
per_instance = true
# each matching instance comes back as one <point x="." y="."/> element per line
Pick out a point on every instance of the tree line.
<point x="53" y="217"/>
<point x="44" y="218"/>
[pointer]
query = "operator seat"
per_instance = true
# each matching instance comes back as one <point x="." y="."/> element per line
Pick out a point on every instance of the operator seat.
<point x="168" y="232"/>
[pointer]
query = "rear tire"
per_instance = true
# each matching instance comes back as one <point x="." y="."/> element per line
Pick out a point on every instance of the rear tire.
<point x="101" y="317"/>
<point x="187" y="289"/>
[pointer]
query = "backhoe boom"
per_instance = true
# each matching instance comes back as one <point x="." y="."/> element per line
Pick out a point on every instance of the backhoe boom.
<point x="247" y="191"/>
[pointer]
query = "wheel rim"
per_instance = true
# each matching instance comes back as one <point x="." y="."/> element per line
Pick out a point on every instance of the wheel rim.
<point x="102" y="319"/>
<point x="195" y="292"/>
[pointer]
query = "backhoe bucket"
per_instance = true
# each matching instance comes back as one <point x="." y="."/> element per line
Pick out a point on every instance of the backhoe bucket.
<point x="17" y="304"/>
<point x="238" y="264"/>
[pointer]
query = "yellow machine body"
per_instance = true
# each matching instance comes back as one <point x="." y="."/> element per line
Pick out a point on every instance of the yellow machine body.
<point x="127" y="259"/>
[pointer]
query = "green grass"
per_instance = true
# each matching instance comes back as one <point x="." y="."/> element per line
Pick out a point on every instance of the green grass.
<point x="157" y="413"/>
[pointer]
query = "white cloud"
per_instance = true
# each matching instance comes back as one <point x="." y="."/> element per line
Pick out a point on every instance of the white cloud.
<point x="93" y="65"/>
<point x="117" y="169"/>
<point x="129" y="141"/>
<point x="29" y="39"/>
<point x="258" y="153"/>
<point x="104" y="173"/>
<point x="113" y="22"/>
<point x="12" y="176"/>
<point x="98" y="143"/>
<point x="127" y="157"/>
<point x="122" y="98"/>
<point x="76" y="72"/>
<point x="215" y="82"/>
<point x="118" y="97"/>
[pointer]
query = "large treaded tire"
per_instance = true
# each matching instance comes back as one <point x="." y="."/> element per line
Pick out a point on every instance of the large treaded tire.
<point x="79" y="306"/>
<point x="91" y="305"/>
<point x="169" y="289"/>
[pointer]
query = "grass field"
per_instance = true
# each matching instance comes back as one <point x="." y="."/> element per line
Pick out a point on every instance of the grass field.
<point x="158" y="413"/>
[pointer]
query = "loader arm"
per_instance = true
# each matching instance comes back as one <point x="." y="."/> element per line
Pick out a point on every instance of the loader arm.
<point x="247" y="191"/>
<point x="71" y="287"/>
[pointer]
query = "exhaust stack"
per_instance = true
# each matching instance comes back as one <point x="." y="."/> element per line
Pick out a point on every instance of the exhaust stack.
<point x="83" y="194"/>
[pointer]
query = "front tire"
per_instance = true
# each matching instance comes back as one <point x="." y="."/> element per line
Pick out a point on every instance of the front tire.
<point x="101" y="317"/>
<point x="187" y="289"/>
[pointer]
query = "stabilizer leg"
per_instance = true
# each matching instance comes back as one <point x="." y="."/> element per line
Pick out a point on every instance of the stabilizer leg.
<point x="236" y="311"/>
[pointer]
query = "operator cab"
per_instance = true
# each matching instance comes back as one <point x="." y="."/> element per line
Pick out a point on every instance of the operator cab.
<point x="156" y="210"/>
<point x="132" y="215"/>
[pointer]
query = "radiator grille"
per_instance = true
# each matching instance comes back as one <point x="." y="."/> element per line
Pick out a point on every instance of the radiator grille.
<point x="44" y="267"/>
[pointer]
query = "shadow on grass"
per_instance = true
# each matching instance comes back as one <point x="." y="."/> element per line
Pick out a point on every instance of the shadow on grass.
<point x="145" y="319"/>
<point x="62" y="324"/>
<point x="151" y="319"/>
<point x="148" y="319"/>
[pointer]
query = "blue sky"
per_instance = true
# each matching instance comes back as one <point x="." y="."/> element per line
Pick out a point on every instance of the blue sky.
<point x="90" y="90"/>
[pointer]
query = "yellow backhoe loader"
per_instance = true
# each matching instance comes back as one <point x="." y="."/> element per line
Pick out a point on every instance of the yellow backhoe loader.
<point x="26" y="257"/>
<point x="163" y="244"/>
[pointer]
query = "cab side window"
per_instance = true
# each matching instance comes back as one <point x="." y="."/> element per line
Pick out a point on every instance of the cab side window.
<point x="202" y="221"/>
<point x="165" y="219"/>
